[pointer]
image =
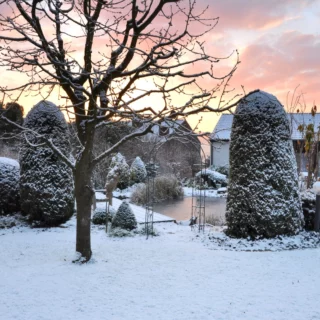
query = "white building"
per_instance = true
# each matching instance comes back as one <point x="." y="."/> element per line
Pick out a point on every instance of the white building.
<point x="220" y="137"/>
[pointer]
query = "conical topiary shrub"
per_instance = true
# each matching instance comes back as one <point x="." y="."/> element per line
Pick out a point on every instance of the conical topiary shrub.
<point x="124" y="218"/>
<point x="263" y="195"/>
<point x="46" y="183"/>
<point x="138" y="172"/>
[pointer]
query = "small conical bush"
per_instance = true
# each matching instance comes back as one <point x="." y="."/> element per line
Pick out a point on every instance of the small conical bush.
<point x="124" y="218"/>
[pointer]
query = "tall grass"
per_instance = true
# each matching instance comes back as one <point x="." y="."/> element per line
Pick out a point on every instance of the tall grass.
<point x="165" y="187"/>
<point x="215" y="221"/>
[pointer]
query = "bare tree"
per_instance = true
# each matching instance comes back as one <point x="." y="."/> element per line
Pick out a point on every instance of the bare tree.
<point x="307" y="148"/>
<point x="97" y="55"/>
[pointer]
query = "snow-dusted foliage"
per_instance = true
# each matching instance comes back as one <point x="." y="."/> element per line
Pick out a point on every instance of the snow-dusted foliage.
<point x="165" y="188"/>
<point x="119" y="167"/>
<point x="263" y="194"/>
<point x="99" y="215"/>
<point x="138" y="172"/>
<point x="46" y="183"/>
<point x="124" y="218"/>
<point x="221" y="169"/>
<point x="214" y="176"/>
<point x="308" y="199"/>
<point x="9" y="186"/>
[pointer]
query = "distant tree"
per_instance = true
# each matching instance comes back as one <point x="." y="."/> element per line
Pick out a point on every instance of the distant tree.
<point x="311" y="137"/>
<point x="263" y="193"/>
<point x="14" y="112"/>
<point x="46" y="183"/>
<point x="307" y="147"/>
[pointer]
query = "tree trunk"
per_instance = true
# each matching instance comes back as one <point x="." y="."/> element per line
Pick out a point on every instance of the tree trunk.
<point x="83" y="194"/>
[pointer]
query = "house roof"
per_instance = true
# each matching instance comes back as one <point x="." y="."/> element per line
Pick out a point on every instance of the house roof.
<point x="171" y="125"/>
<point x="168" y="128"/>
<point x="222" y="130"/>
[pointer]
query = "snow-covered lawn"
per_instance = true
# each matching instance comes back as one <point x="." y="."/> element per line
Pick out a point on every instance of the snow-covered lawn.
<point x="173" y="276"/>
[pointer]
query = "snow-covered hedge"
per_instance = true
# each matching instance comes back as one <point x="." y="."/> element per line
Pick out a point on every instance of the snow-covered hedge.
<point x="119" y="167"/>
<point x="124" y="218"/>
<point x="46" y="183"/>
<point x="138" y="172"/>
<point x="263" y="193"/>
<point x="9" y="186"/>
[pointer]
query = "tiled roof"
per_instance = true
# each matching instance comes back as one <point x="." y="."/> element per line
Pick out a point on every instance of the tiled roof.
<point x="222" y="130"/>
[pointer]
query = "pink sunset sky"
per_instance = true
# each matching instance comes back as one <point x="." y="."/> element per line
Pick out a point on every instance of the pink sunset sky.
<point x="278" y="42"/>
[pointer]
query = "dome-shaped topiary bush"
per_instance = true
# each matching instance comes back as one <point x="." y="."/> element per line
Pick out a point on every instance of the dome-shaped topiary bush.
<point x="263" y="195"/>
<point x="9" y="186"/>
<point x="99" y="215"/>
<point x="46" y="183"/>
<point x="138" y="172"/>
<point x="124" y="218"/>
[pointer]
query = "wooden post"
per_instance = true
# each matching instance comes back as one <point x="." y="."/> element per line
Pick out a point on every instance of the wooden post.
<point x="107" y="214"/>
<point x="317" y="214"/>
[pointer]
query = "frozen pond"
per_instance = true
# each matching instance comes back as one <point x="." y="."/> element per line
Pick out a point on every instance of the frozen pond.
<point x="181" y="209"/>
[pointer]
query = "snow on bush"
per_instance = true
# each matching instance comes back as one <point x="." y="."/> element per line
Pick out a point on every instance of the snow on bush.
<point x="124" y="218"/>
<point x="263" y="194"/>
<point x="217" y="240"/>
<point x="221" y="169"/>
<point x="165" y="188"/>
<point x="138" y="172"/>
<point x="214" y="176"/>
<point x="46" y="183"/>
<point x="99" y="215"/>
<point x="9" y="186"/>
<point x="119" y="167"/>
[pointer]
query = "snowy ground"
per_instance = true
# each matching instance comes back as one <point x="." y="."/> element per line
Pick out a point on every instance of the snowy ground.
<point x="174" y="276"/>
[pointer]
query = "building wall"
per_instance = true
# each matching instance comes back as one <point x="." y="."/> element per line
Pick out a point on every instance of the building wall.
<point x="220" y="153"/>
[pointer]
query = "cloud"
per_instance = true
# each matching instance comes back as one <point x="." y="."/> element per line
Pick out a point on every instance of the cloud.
<point x="255" y="15"/>
<point x="290" y="61"/>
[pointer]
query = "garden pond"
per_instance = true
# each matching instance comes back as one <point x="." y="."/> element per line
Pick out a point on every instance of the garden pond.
<point x="180" y="209"/>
